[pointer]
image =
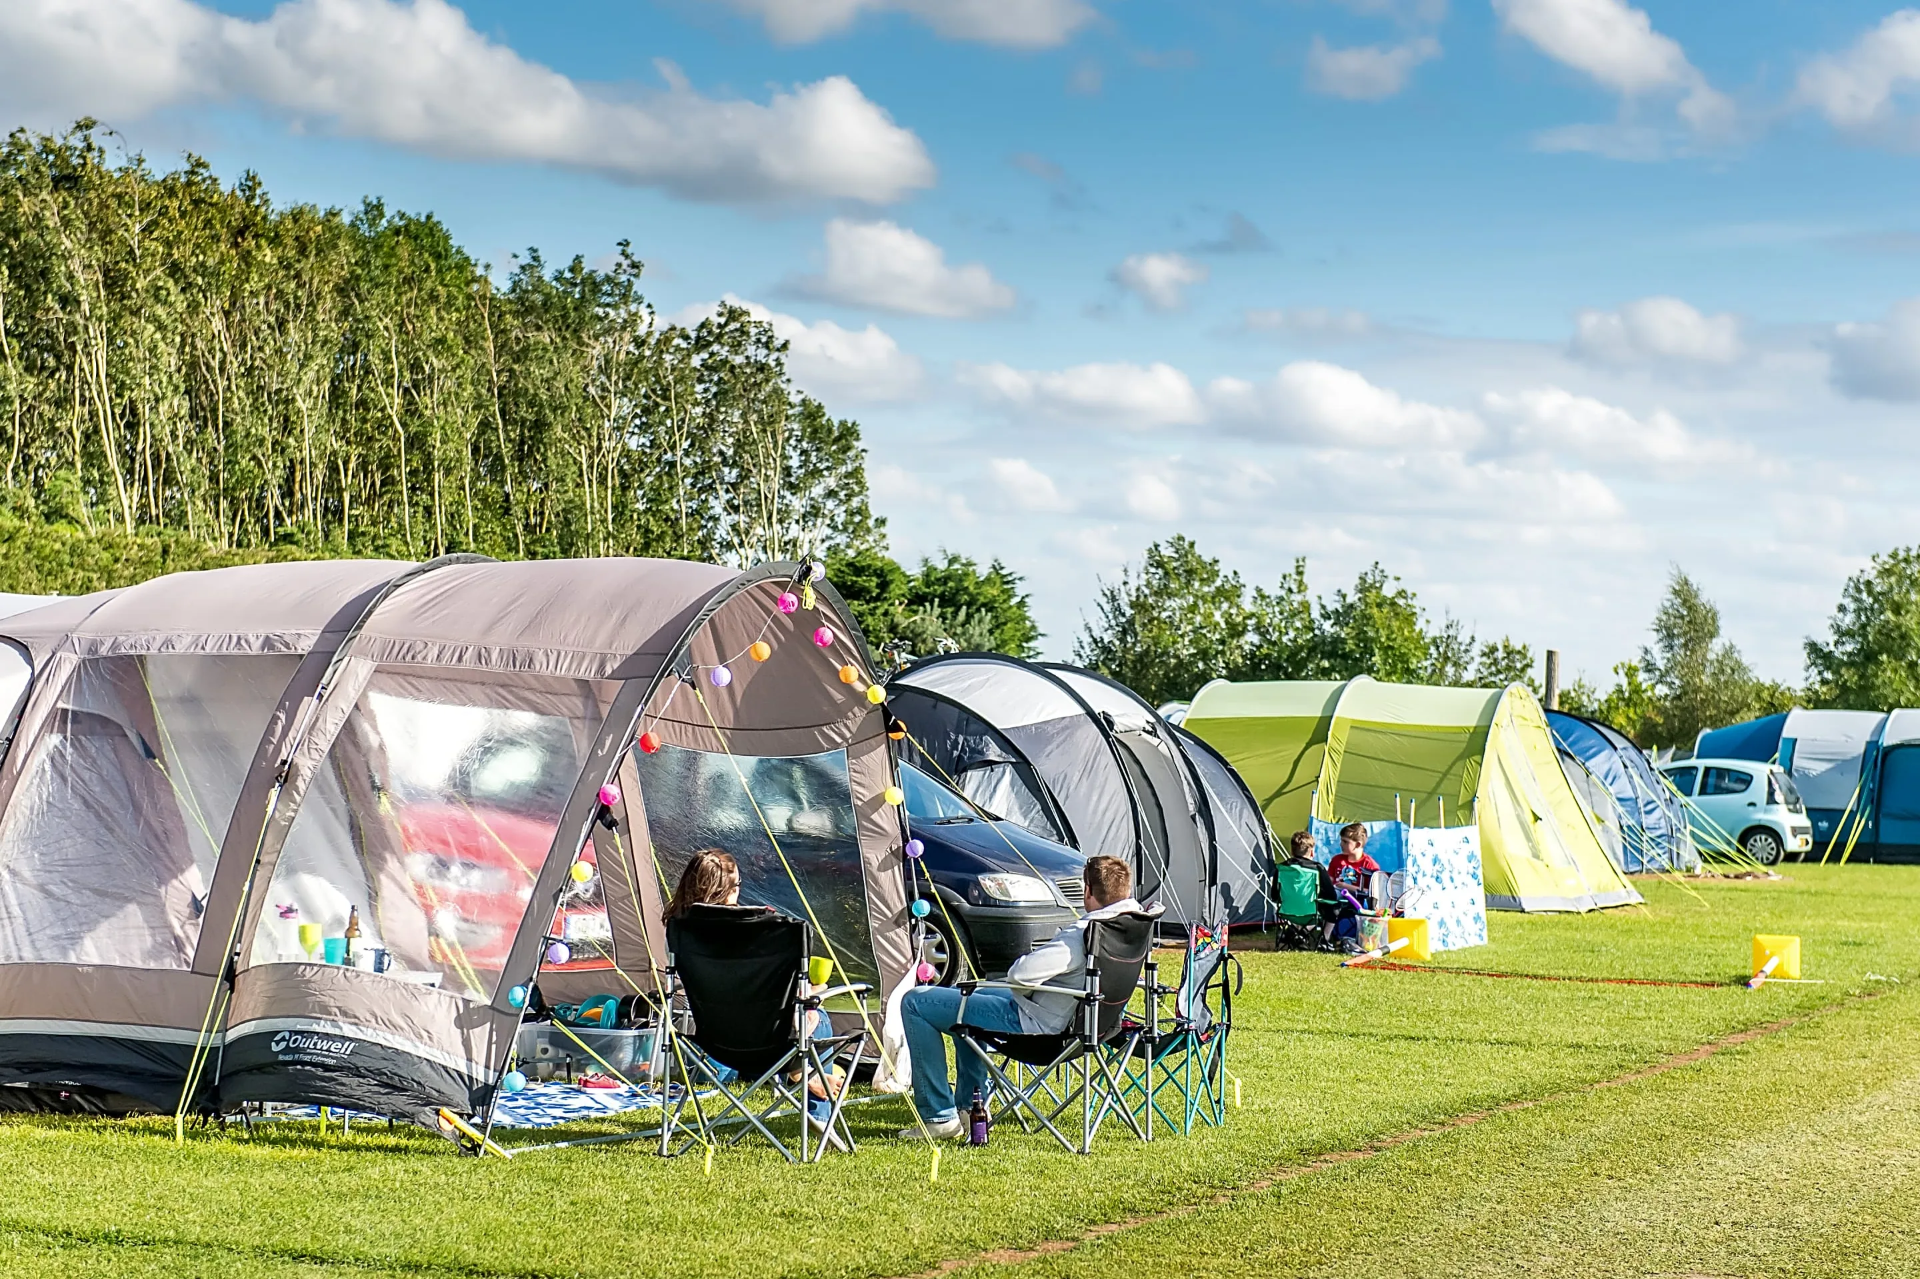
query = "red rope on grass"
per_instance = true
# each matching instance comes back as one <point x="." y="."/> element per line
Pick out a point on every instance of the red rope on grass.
<point x="1489" y="972"/>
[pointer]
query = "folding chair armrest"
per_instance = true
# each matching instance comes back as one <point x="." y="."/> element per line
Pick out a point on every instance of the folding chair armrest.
<point x="1078" y="992"/>
<point x="850" y="988"/>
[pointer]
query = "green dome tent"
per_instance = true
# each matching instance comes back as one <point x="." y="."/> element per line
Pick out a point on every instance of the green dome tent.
<point x="1368" y="751"/>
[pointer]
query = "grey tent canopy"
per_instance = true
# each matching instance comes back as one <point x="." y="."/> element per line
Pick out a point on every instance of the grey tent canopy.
<point x="212" y="772"/>
<point x="1075" y="757"/>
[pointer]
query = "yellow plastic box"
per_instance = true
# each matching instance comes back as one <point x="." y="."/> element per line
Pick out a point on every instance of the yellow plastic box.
<point x="1767" y="945"/>
<point x="1417" y="949"/>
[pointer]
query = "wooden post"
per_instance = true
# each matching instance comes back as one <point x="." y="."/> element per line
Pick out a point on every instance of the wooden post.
<point x="1553" y="679"/>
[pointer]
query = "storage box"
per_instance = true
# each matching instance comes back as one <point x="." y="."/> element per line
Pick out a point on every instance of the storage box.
<point x="548" y="1052"/>
<point x="1767" y="945"/>
<point x="1418" y="948"/>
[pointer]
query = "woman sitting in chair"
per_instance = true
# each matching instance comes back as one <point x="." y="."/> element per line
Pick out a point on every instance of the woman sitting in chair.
<point x="712" y="878"/>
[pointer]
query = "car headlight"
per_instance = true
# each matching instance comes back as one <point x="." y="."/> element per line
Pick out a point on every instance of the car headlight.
<point x="1016" y="888"/>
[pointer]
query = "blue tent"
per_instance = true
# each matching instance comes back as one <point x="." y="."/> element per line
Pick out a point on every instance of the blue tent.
<point x="1654" y="834"/>
<point x="1833" y="758"/>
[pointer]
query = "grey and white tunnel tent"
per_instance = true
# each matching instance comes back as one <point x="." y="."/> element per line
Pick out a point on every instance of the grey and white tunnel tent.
<point x="1077" y="758"/>
<point x="213" y="771"/>
<point x="1835" y="759"/>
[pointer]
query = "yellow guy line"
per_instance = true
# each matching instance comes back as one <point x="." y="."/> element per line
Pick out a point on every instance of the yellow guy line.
<point x="866" y="1020"/>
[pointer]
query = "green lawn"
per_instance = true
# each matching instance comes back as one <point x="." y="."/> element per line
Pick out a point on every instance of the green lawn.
<point x="1794" y="1153"/>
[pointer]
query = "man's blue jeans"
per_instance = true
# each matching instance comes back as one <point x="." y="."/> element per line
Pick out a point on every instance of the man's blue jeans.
<point x="928" y="1014"/>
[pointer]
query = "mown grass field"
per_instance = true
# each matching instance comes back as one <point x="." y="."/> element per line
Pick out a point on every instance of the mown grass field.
<point x="1401" y="1123"/>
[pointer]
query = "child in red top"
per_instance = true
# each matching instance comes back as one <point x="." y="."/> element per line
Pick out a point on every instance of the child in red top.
<point x="1351" y="868"/>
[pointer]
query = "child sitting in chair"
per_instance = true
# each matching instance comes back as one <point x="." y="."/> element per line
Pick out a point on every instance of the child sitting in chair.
<point x="1351" y="872"/>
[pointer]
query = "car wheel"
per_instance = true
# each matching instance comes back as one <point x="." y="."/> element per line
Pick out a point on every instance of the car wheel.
<point x="1763" y="846"/>
<point x="945" y="947"/>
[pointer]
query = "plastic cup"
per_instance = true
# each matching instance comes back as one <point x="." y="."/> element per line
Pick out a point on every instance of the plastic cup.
<point x="819" y="970"/>
<point x="334" y="950"/>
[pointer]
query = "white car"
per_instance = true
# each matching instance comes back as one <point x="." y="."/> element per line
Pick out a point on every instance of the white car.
<point x="1755" y="805"/>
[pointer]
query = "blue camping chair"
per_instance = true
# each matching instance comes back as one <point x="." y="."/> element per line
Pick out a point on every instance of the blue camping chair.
<point x="1183" y="1056"/>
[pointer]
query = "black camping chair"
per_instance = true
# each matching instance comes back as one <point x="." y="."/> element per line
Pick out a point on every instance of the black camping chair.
<point x="1184" y="1052"/>
<point x="743" y="973"/>
<point x="1090" y="1058"/>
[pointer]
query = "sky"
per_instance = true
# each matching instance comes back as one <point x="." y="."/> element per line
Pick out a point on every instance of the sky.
<point x="1528" y="301"/>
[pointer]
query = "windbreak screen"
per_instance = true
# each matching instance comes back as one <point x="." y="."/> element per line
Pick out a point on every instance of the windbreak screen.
<point x="109" y="843"/>
<point x="429" y="822"/>
<point x="788" y="821"/>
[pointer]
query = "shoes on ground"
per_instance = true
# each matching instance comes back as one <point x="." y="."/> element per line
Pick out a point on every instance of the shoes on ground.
<point x="945" y="1130"/>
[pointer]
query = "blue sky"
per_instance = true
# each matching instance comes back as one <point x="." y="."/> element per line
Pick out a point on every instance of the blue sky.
<point x="1527" y="300"/>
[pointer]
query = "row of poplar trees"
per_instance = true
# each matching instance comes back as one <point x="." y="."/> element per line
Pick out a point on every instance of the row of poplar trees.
<point x="181" y="354"/>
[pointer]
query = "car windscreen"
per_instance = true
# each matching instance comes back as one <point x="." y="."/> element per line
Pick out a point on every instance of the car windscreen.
<point x="928" y="800"/>
<point x="1785" y="792"/>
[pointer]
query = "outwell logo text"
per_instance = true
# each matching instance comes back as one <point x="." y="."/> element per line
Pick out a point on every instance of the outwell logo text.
<point x="289" y="1041"/>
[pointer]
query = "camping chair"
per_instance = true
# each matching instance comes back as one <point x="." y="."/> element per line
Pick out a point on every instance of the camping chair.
<point x="1185" y="1055"/>
<point x="1300" y="904"/>
<point x="743" y="973"/>
<point x="1099" y="1042"/>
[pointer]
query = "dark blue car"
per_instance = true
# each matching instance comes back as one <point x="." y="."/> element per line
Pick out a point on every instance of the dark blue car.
<point x="995" y="890"/>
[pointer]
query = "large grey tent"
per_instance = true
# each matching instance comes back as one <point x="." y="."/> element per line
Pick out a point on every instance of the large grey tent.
<point x="1858" y="772"/>
<point x="1076" y="757"/>
<point x="212" y="772"/>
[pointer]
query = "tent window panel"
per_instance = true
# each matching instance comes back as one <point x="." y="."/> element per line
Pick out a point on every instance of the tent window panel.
<point x="111" y="839"/>
<point x="789" y="822"/>
<point x="431" y="821"/>
<point x="1004" y="790"/>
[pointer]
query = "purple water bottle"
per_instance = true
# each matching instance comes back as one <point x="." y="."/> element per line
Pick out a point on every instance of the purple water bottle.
<point x="977" y="1122"/>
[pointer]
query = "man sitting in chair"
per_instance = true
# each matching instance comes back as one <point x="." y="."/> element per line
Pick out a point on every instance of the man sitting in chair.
<point x="929" y="1013"/>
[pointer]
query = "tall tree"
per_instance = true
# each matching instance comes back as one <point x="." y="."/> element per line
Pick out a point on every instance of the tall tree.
<point x="1700" y="680"/>
<point x="1871" y="659"/>
<point x="1182" y="621"/>
<point x="1185" y="620"/>
<point x="184" y="355"/>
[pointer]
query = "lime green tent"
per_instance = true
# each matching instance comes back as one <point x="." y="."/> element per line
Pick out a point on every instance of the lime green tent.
<point x="1275" y="736"/>
<point x="1368" y="751"/>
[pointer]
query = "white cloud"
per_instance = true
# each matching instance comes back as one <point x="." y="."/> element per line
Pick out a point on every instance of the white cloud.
<point x="1160" y="279"/>
<point x="1655" y="330"/>
<point x="1014" y="24"/>
<point x="830" y="361"/>
<point x="1098" y="545"/>
<point x="896" y="488"/>
<point x="1615" y="45"/>
<point x="1880" y="361"/>
<point x="889" y="268"/>
<point x="418" y="75"/>
<point x="1313" y="402"/>
<point x="1368" y="72"/>
<point x="1309" y="321"/>
<point x="1855" y="90"/>
<point x="1026" y="486"/>
<point x="1128" y="396"/>
<point x="1553" y="420"/>
<point x="1152" y="498"/>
